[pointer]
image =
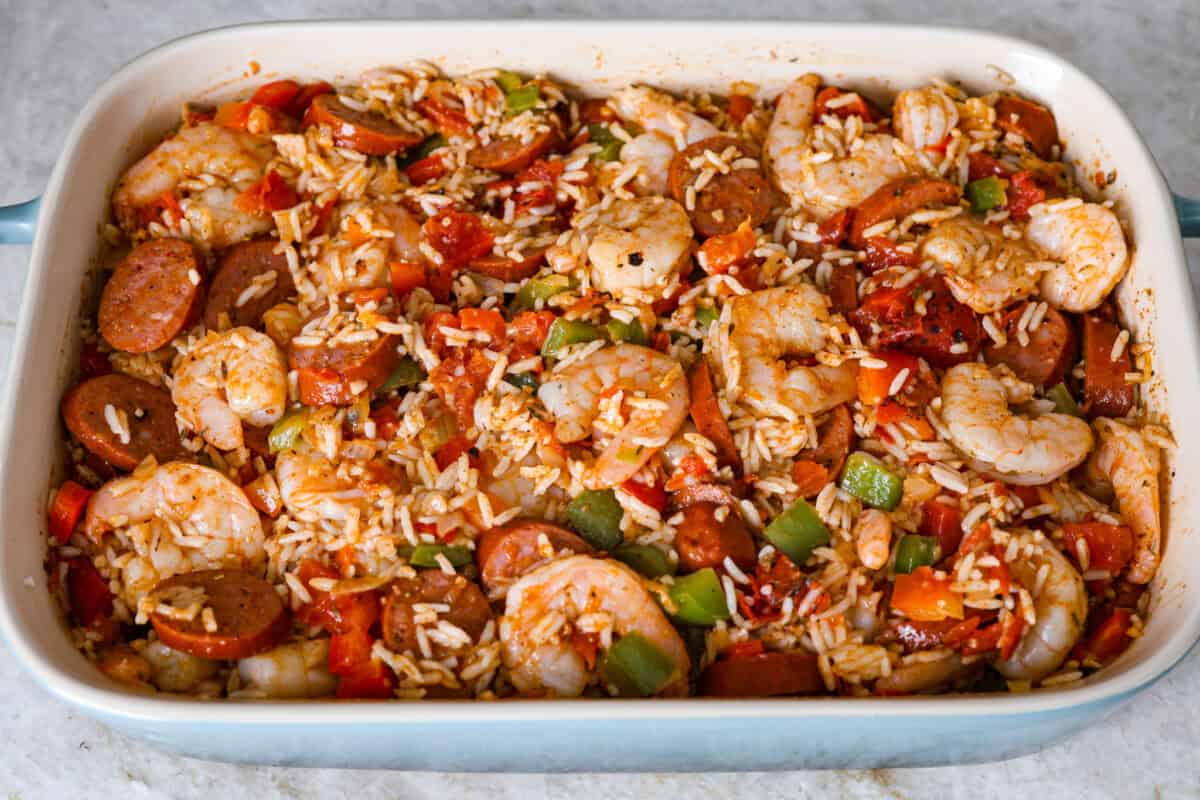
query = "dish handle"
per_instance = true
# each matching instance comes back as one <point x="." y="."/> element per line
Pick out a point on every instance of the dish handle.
<point x="17" y="222"/>
<point x="1188" y="211"/>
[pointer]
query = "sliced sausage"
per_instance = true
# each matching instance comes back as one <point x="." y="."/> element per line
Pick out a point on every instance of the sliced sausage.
<point x="1031" y="121"/>
<point x="710" y="422"/>
<point x="727" y="200"/>
<point x="1106" y="393"/>
<point x="149" y="413"/>
<point x="250" y="617"/>
<point x="239" y="266"/>
<point x="704" y="540"/>
<point x="509" y="551"/>
<point x="509" y="155"/>
<point x="843" y="289"/>
<point x="948" y="333"/>
<point x="469" y="609"/>
<point x="340" y="366"/>
<point x="764" y="675"/>
<point x="508" y="270"/>
<point x="835" y="438"/>
<point x="704" y="493"/>
<point x="364" y="131"/>
<point x="152" y="295"/>
<point x="898" y="199"/>
<point x="1045" y="360"/>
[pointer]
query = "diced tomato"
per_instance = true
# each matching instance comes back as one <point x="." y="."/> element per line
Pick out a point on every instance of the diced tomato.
<point x="912" y="425"/>
<point x="433" y="329"/>
<point x="450" y="121"/>
<point x="322" y="387"/>
<point x="980" y="640"/>
<point x="1110" y="547"/>
<point x="346" y="560"/>
<point x="719" y="253"/>
<point x="947" y="333"/>
<point x="91" y="600"/>
<point x="271" y="193"/>
<point x="1025" y="190"/>
<point x="595" y="110"/>
<point x="406" y="276"/>
<point x="666" y="305"/>
<point x="660" y="341"/>
<point x="487" y="320"/>
<point x="448" y="453"/>
<point x="874" y="385"/>
<point x="943" y="522"/>
<point x="1011" y="627"/>
<point x="92" y="361"/>
<point x="1109" y="639"/>
<point x="251" y="117"/>
<point x="372" y="681"/>
<point x="691" y="469"/>
<point x="587" y="645"/>
<point x="654" y="496"/>
<point x="745" y="649"/>
<point x="855" y="108"/>
<point x="349" y="651"/>
<point x="982" y="165"/>
<point x="536" y="185"/>
<point x="260" y="495"/>
<point x="459" y="236"/>
<point x="740" y="106"/>
<point x="368" y="297"/>
<point x="528" y="331"/>
<point x="427" y="169"/>
<point x="835" y="229"/>
<point x="303" y="99"/>
<point x="784" y="580"/>
<point x="459" y="379"/>
<point x="809" y="476"/>
<point x="979" y="538"/>
<point x="1028" y="495"/>
<point x="922" y="595"/>
<point x="881" y="252"/>
<point x="276" y="94"/>
<point x="68" y="506"/>
<point x="324" y="215"/>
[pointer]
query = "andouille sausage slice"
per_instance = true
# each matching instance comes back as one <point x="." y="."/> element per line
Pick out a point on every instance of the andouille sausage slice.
<point x="768" y="674"/>
<point x="898" y="199"/>
<point x="149" y="414"/>
<point x="237" y="270"/>
<point x="250" y="617"/>
<point x="843" y="289"/>
<point x="1106" y="393"/>
<point x="509" y="155"/>
<point x="835" y="438"/>
<point x="711" y="532"/>
<point x="1046" y="358"/>
<point x="153" y="293"/>
<point x="710" y="422"/>
<point x="1031" y="121"/>
<point x="728" y="199"/>
<point x="693" y="493"/>
<point x="365" y="131"/>
<point x="469" y="609"/>
<point x="507" y="552"/>
<point x="341" y="367"/>
<point x="507" y="269"/>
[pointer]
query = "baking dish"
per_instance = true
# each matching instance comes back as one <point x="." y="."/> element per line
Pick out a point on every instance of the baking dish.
<point x="141" y="101"/>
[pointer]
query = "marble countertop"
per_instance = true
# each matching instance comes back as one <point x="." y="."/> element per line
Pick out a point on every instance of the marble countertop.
<point x="53" y="55"/>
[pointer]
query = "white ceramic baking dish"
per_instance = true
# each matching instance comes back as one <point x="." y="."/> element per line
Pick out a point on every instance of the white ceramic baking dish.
<point x="141" y="102"/>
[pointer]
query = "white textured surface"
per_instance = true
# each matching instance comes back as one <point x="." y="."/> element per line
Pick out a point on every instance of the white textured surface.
<point x="53" y="54"/>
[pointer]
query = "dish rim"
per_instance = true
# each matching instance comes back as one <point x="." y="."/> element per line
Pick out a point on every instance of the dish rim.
<point x="113" y="702"/>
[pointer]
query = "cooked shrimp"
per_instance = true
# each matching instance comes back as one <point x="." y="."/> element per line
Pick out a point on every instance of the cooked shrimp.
<point x="923" y="118"/>
<point x="652" y="153"/>
<point x="174" y="518"/>
<point x="186" y="164"/>
<point x="1061" y="608"/>
<point x="655" y="391"/>
<point x="176" y="671"/>
<point x="767" y="326"/>
<point x="638" y="248"/>
<point x="1022" y="450"/>
<point x="873" y="538"/>
<point x="228" y="378"/>
<point x="1132" y="464"/>
<point x="546" y="604"/>
<point x="660" y="113"/>
<point x="1088" y="240"/>
<point x="984" y="269"/>
<point x="309" y="484"/>
<point x="368" y="240"/>
<point x="290" y="671"/>
<point x="823" y="183"/>
<point x="920" y="676"/>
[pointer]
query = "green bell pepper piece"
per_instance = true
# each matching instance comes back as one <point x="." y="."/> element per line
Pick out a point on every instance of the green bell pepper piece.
<point x="645" y="559"/>
<point x="522" y="98"/>
<point x="1063" y="402"/>
<point x="610" y="146"/>
<point x="596" y="516"/>
<point x="423" y="150"/>
<point x="567" y="332"/>
<point x="986" y="194"/>
<point x="914" y="551"/>
<point x="509" y="81"/>
<point x="425" y="555"/>
<point x="540" y="289"/>
<point x="636" y="667"/>
<point x="524" y="380"/>
<point x="706" y="316"/>
<point x="797" y="532"/>
<point x="407" y="373"/>
<point x="868" y="479"/>
<point x="284" y="434"/>
<point x="631" y="332"/>
<point x="699" y="598"/>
